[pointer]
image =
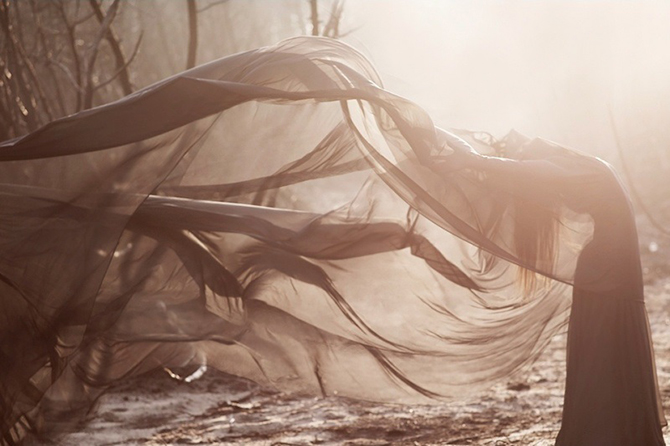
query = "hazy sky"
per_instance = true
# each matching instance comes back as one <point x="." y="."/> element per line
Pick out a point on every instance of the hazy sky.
<point x="549" y="68"/>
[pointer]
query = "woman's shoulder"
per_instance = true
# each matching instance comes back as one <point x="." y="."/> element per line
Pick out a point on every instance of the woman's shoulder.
<point x="573" y="160"/>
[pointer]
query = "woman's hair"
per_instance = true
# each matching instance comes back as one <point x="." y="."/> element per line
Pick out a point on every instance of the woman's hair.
<point x="535" y="237"/>
<point x="536" y="227"/>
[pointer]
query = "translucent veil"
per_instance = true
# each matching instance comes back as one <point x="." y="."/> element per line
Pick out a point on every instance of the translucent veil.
<point x="274" y="215"/>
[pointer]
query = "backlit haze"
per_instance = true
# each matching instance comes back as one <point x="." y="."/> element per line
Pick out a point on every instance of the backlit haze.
<point x="547" y="69"/>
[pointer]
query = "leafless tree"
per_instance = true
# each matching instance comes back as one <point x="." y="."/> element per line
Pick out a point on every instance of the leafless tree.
<point x="332" y="25"/>
<point x="56" y="57"/>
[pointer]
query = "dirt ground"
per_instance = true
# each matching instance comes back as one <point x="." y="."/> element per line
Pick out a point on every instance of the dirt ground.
<point x="220" y="409"/>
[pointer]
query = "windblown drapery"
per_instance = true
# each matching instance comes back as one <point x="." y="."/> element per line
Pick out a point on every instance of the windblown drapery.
<point x="272" y="214"/>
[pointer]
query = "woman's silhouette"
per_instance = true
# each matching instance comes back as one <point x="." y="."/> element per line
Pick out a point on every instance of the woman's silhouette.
<point x="611" y="395"/>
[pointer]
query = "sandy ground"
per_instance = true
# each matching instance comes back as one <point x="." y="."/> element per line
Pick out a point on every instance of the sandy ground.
<point x="220" y="409"/>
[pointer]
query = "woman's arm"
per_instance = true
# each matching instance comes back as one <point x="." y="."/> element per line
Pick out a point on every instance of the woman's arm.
<point x="550" y="171"/>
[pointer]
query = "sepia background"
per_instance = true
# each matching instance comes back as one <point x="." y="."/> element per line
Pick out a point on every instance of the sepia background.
<point x="592" y="75"/>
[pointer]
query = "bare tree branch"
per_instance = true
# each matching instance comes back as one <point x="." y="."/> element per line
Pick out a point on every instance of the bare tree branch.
<point x="313" y="5"/>
<point x="192" y="34"/>
<point x="332" y="28"/>
<point x="14" y="72"/>
<point x="93" y="50"/>
<point x="83" y="19"/>
<point x="120" y="70"/>
<point x="72" y="41"/>
<point x="69" y="76"/>
<point x="112" y="39"/>
<point x="32" y="80"/>
<point x="49" y="63"/>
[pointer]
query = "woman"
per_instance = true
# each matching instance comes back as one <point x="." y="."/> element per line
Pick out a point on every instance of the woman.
<point x="611" y="395"/>
<point x="278" y="215"/>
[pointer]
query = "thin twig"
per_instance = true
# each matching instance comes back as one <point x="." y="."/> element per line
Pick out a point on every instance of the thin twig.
<point x="130" y="60"/>
<point x="72" y="40"/>
<point x="68" y="75"/>
<point x="94" y="48"/>
<point x="192" y="34"/>
<point x="112" y="39"/>
<point x="49" y="64"/>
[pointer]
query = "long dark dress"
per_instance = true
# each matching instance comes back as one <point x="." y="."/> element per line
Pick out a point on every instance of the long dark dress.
<point x="611" y="395"/>
<point x="276" y="214"/>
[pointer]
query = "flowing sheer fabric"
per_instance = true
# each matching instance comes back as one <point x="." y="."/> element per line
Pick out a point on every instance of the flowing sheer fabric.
<point x="275" y="214"/>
